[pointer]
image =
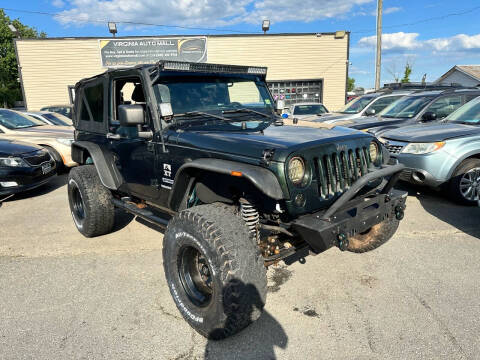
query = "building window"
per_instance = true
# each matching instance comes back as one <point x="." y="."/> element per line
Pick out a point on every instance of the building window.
<point x="297" y="91"/>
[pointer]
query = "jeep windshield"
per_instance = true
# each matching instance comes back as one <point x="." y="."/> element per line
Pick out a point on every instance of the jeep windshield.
<point x="13" y="120"/>
<point x="219" y="103"/>
<point x="468" y="114"/>
<point x="358" y="104"/>
<point x="406" y="107"/>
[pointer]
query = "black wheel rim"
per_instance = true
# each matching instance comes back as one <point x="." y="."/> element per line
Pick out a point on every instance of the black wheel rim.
<point x="78" y="206"/>
<point x="195" y="276"/>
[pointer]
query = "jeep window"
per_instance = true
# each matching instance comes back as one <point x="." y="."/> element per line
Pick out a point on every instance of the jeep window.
<point x="383" y="102"/>
<point x="93" y="97"/>
<point x="309" y="109"/>
<point x="406" y="107"/>
<point x="358" y="104"/>
<point x="467" y="114"/>
<point x="13" y="120"/>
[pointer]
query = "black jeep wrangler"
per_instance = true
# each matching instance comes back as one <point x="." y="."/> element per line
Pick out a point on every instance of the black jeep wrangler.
<point x="200" y="150"/>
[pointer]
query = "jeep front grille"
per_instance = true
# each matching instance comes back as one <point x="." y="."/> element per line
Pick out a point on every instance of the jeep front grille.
<point x="336" y="172"/>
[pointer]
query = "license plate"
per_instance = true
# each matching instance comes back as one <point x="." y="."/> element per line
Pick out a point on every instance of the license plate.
<point x="46" y="168"/>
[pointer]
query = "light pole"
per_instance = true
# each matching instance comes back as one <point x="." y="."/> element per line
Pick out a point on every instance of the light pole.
<point x="378" y="60"/>
<point x="112" y="28"/>
<point x="14" y="30"/>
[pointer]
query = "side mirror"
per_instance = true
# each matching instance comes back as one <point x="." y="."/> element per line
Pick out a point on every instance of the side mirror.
<point x="369" y="112"/>
<point x="429" y="116"/>
<point x="279" y="106"/>
<point x="131" y="115"/>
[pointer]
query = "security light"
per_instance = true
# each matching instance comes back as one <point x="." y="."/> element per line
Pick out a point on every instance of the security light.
<point x="112" y="27"/>
<point x="265" y="26"/>
<point x="14" y="30"/>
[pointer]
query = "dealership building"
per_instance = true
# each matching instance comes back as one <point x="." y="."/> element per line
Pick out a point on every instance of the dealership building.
<point x="301" y="67"/>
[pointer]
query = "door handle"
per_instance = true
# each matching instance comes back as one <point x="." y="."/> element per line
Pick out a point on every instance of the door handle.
<point x="113" y="136"/>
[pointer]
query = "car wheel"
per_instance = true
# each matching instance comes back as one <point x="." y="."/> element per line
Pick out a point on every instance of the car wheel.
<point x="374" y="237"/>
<point x="215" y="271"/>
<point x="90" y="202"/>
<point x="58" y="159"/>
<point x="465" y="183"/>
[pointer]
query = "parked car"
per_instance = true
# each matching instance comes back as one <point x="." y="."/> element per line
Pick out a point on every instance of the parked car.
<point x="56" y="139"/>
<point x="65" y="110"/>
<point x="365" y="105"/>
<point x="23" y="166"/>
<point x="419" y="107"/>
<point x="306" y="109"/>
<point x="446" y="153"/>
<point x="50" y="118"/>
<point x="236" y="189"/>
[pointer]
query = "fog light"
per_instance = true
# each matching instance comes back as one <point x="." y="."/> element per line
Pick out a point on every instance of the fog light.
<point x="300" y="200"/>
<point x="8" y="183"/>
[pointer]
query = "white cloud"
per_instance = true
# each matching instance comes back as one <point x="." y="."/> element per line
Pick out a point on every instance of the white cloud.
<point x="402" y="42"/>
<point x="205" y="13"/>
<point x="391" y="10"/>
<point x="58" y="3"/>
<point x="392" y="42"/>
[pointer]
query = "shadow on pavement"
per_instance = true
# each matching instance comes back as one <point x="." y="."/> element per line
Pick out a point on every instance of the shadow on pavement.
<point x="257" y="341"/>
<point x="55" y="183"/>
<point x="436" y="203"/>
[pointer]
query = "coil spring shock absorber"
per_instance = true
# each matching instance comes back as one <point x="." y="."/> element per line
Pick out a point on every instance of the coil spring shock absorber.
<point x="251" y="217"/>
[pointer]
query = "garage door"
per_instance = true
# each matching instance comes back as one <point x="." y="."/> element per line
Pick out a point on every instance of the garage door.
<point x="295" y="91"/>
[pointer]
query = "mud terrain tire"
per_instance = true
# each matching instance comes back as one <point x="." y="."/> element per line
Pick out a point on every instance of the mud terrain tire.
<point x="225" y="298"/>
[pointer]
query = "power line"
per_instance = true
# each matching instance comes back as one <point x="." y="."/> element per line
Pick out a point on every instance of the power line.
<point x="421" y="21"/>
<point x="104" y="21"/>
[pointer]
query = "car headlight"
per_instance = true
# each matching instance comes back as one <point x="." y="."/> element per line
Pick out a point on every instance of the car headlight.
<point x="65" y="141"/>
<point x="13" y="162"/>
<point x="374" y="152"/>
<point x="296" y="170"/>
<point x="422" y="148"/>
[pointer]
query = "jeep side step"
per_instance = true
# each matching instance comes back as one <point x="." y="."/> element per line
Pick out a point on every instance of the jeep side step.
<point x="145" y="214"/>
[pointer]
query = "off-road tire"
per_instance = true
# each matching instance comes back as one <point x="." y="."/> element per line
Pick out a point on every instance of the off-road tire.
<point x="374" y="237"/>
<point x="96" y="200"/>
<point x="454" y="183"/>
<point x="238" y="274"/>
<point x="61" y="168"/>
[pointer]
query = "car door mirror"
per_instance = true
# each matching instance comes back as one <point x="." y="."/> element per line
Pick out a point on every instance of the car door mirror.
<point x="131" y="115"/>
<point x="429" y="116"/>
<point x="369" y="112"/>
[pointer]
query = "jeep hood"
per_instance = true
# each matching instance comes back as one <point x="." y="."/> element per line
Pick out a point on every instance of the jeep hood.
<point x="432" y="132"/>
<point x="284" y="139"/>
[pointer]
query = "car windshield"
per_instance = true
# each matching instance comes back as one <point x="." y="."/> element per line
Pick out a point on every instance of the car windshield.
<point x="310" y="109"/>
<point x="357" y="105"/>
<point x="58" y="119"/>
<point x="467" y="114"/>
<point x="406" y="107"/>
<point x="13" y="120"/>
<point x="220" y="103"/>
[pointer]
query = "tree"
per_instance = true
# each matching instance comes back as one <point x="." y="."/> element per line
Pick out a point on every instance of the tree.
<point x="9" y="82"/>
<point x="406" y="73"/>
<point x="351" y="84"/>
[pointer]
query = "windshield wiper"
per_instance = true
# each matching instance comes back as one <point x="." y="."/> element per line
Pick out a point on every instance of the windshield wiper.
<point x="200" y="114"/>
<point x="233" y="111"/>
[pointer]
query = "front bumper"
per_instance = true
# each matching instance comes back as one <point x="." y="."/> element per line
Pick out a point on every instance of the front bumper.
<point x="349" y="216"/>
<point x="423" y="169"/>
<point x="27" y="178"/>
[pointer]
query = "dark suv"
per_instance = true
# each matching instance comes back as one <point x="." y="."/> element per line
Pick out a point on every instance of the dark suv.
<point x="199" y="149"/>
<point x="419" y="107"/>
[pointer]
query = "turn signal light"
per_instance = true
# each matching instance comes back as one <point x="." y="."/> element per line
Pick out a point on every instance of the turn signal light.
<point x="236" y="173"/>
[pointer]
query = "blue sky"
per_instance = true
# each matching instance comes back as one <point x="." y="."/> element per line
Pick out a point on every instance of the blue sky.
<point x="431" y="46"/>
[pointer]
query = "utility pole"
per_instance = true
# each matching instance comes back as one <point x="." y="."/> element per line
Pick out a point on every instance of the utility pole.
<point x="378" y="60"/>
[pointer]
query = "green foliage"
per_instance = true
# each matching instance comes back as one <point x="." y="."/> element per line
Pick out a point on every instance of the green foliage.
<point x="407" y="73"/>
<point x="9" y="83"/>
<point x="351" y="84"/>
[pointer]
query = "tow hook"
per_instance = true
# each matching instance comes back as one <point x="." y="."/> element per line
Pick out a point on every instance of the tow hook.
<point x="399" y="214"/>
<point x="342" y="241"/>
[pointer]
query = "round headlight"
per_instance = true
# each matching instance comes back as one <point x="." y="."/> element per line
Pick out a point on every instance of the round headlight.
<point x="374" y="152"/>
<point x="296" y="170"/>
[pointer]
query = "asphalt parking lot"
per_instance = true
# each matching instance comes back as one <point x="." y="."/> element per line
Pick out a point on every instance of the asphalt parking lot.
<point x="67" y="297"/>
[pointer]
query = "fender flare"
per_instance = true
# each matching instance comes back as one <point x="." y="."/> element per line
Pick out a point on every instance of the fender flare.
<point x="102" y="159"/>
<point x="457" y="163"/>
<point x="262" y="178"/>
